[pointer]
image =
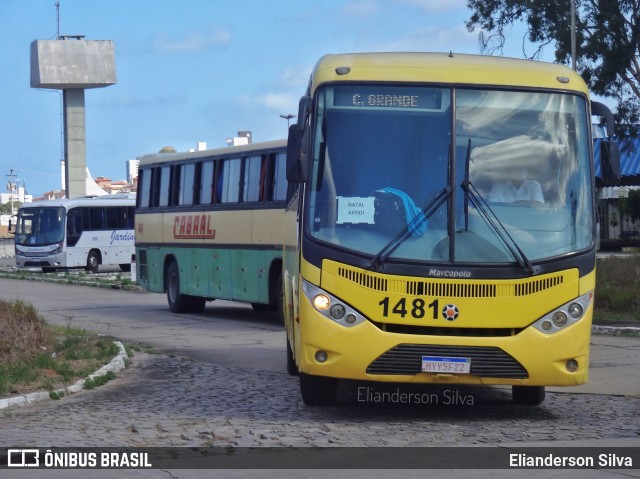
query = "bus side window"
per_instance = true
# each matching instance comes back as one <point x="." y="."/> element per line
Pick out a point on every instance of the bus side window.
<point x="144" y="188"/>
<point x="117" y="217"/>
<point x="164" y="185"/>
<point x="186" y="178"/>
<point x="253" y="178"/>
<point x="97" y="218"/>
<point x="130" y="212"/>
<point x="228" y="188"/>
<point x="74" y="226"/>
<point x="206" y="183"/>
<point x="278" y="179"/>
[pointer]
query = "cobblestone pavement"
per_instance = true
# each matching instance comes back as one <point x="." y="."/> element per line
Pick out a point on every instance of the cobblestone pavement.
<point x="170" y="401"/>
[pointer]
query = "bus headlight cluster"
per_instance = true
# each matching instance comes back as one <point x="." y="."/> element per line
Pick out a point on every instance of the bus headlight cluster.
<point x="331" y="307"/>
<point x="58" y="249"/>
<point x="565" y="315"/>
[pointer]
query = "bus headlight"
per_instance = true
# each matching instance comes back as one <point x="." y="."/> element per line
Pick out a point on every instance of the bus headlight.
<point x="321" y="302"/>
<point x="331" y="307"/>
<point x="565" y="315"/>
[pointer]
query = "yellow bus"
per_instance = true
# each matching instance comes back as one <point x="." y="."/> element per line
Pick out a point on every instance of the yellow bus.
<point x="442" y="228"/>
<point x="209" y="225"/>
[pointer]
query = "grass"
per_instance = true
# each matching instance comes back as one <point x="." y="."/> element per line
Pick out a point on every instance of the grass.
<point x="618" y="289"/>
<point x="35" y="356"/>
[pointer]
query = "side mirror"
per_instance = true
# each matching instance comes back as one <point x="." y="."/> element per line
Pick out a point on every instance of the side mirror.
<point x="609" y="149"/>
<point x="610" y="162"/>
<point x="298" y="145"/>
<point x="297" y="155"/>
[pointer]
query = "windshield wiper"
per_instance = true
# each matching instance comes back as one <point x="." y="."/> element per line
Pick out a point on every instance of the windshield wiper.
<point x="425" y="213"/>
<point x="490" y="217"/>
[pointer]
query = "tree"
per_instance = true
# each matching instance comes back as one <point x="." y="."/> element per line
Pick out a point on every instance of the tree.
<point x="630" y="206"/>
<point x="607" y="43"/>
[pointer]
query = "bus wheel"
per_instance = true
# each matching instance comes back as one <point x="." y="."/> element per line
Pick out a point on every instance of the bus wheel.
<point x="292" y="369"/>
<point x="93" y="261"/>
<point x="528" y="395"/>
<point x="178" y="303"/>
<point x="125" y="267"/>
<point x="318" y="390"/>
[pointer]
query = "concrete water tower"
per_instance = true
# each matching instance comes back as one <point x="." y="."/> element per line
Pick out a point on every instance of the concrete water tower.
<point x="72" y="65"/>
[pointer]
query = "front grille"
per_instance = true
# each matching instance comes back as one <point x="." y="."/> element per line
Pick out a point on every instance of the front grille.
<point x="36" y="254"/>
<point x="451" y="288"/>
<point x="442" y="331"/>
<point x="486" y="361"/>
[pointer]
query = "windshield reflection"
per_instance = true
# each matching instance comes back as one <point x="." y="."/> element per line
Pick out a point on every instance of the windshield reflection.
<point x="383" y="153"/>
<point x="40" y="226"/>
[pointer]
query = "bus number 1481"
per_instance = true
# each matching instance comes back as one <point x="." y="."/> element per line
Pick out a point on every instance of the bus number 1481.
<point x="417" y="308"/>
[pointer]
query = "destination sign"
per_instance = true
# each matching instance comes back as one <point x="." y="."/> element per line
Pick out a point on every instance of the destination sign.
<point x="388" y="97"/>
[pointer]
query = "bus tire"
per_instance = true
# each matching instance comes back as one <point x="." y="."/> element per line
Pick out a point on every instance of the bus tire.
<point x="292" y="369"/>
<point x="93" y="261"/>
<point x="178" y="303"/>
<point x="318" y="390"/>
<point x="126" y="267"/>
<point x="528" y="395"/>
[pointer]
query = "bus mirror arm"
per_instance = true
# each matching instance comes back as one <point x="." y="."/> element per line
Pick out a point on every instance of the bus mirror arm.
<point x="600" y="109"/>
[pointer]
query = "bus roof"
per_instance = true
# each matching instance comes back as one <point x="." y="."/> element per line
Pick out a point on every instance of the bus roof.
<point x="119" y="199"/>
<point x="445" y="68"/>
<point x="228" y="151"/>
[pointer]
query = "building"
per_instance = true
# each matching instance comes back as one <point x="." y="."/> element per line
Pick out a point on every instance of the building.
<point x="132" y="170"/>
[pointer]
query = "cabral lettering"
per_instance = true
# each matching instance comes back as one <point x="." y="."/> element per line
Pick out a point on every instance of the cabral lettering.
<point x="193" y="227"/>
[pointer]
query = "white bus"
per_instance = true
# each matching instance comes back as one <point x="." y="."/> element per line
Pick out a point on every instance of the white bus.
<point x="83" y="232"/>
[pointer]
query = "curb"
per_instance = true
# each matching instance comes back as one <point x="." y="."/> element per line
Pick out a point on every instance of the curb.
<point x="615" y="331"/>
<point x="115" y="365"/>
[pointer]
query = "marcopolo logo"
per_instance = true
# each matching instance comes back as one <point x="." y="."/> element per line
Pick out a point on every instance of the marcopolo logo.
<point x="449" y="273"/>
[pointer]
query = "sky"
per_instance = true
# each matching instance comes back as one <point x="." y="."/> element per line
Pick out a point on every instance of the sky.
<point x="194" y="71"/>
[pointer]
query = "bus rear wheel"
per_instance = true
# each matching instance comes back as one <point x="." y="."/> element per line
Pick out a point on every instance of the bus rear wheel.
<point x="180" y="303"/>
<point x="93" y="261"/>
<point x="528" y="395"/>
<point x="177" y="302"/>
<point x="318" y="390"/>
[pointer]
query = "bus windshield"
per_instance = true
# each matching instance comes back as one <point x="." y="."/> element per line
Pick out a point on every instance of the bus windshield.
<point x="451" y="175"/>
<point x="40" y="226"/>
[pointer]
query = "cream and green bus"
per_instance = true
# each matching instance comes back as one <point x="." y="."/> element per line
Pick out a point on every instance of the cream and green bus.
<point x="442" y="229"/>
<point x="209" y="225"/>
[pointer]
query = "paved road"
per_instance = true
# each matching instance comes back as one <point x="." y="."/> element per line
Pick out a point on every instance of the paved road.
<point x="220" y="381"/>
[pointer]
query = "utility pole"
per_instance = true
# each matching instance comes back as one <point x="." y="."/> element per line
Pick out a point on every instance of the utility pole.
<point x="573" y="34"/>
<point x="288" y="118"/>
<point x="12" y="181"/>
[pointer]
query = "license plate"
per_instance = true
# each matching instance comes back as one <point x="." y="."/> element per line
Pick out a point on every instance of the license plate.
<point x="438" y="364"/>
